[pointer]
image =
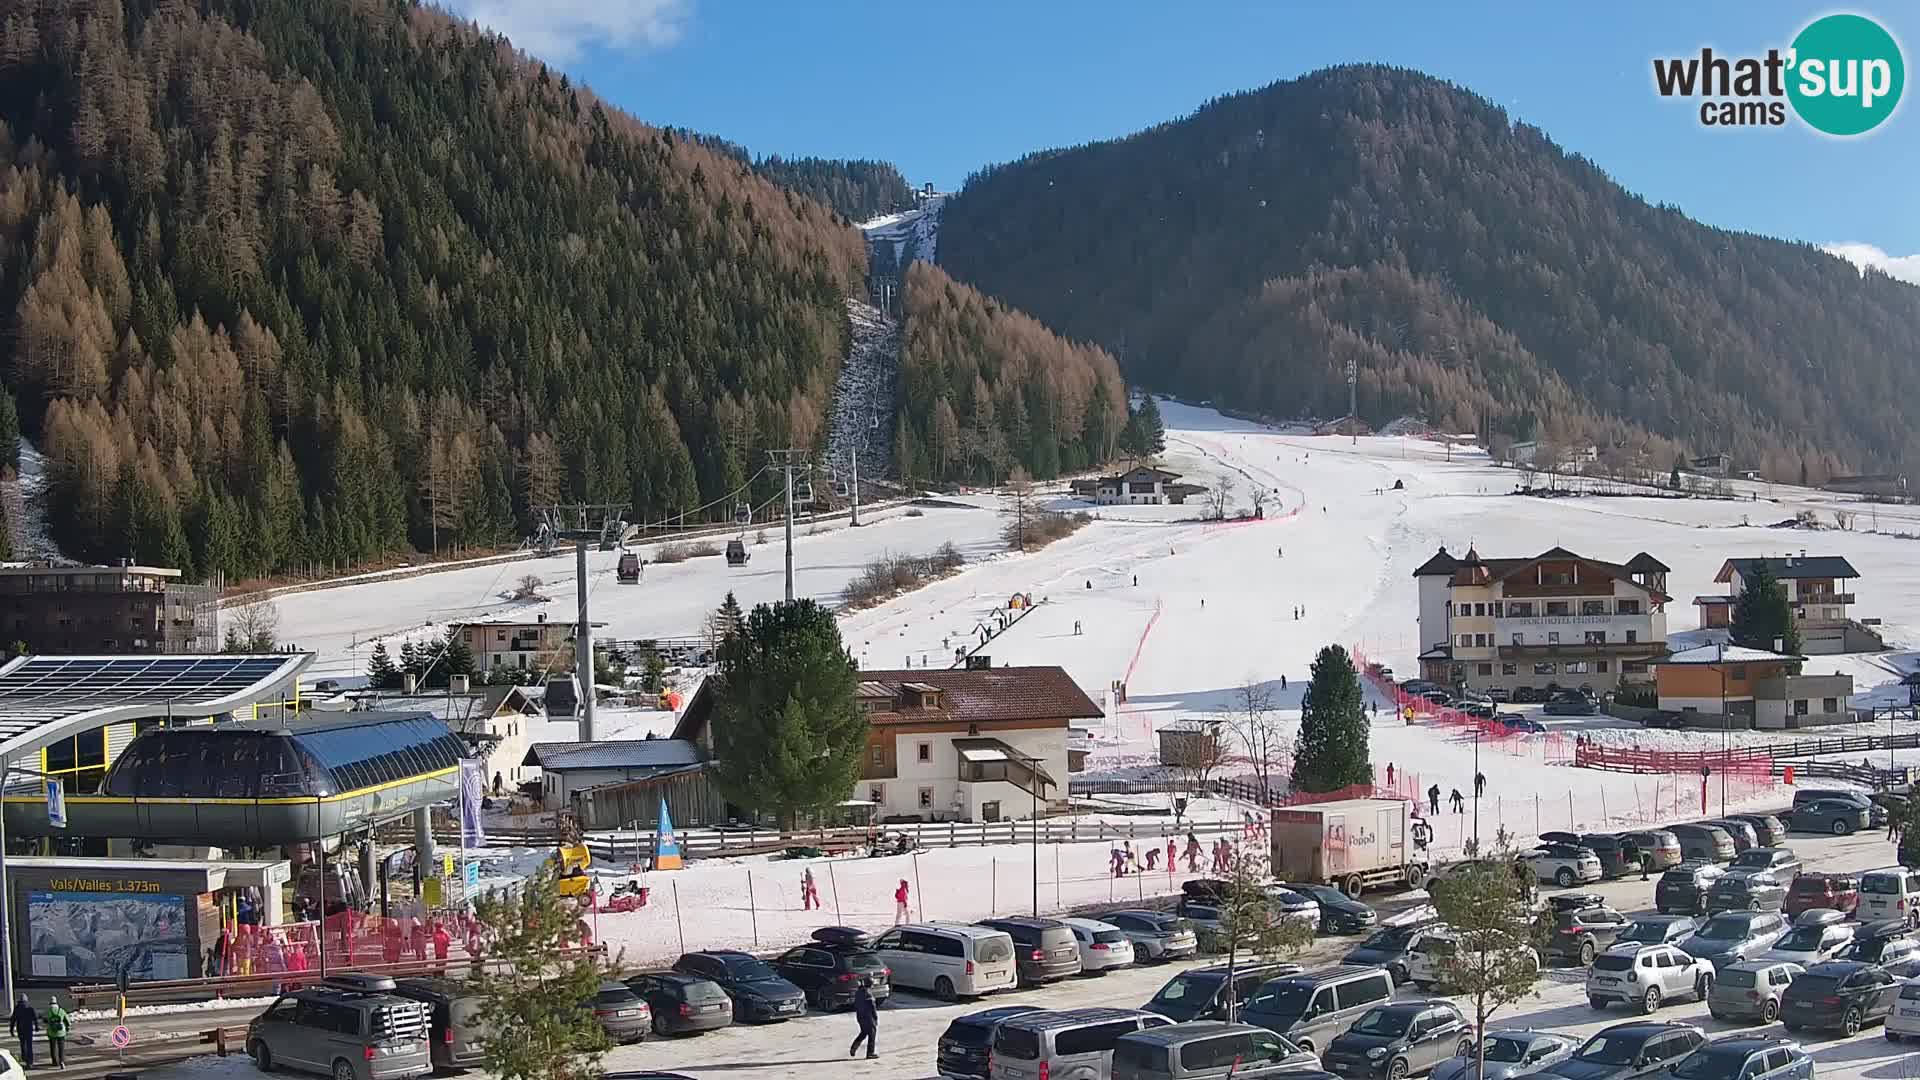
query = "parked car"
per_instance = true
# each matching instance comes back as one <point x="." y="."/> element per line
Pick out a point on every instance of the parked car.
<point x="623" y="1014"/>
<point x="950" y="960"/>
<point x="1387" y="948"/>
<point x="1064" y="1043"/>
<point x="1811" y="941"/>
<point x="1212" y="1050"/>
<point x="1886" y="945"/>
<point x="1479" y="710"/>
<point x="830" y="968"/>
<point x="1746" y="1057"/>
<point x="1554" y="836"/>
<point x="1202" y="993"/>
<point x="1732" y="936"/>
<point x="1876" y="814"/>
<point x="1810" y="890"/>
<point x="1564" y="864"/>
<point x="1574" y="901"/>
<point x="1103" y="946"/>
<point x="1579" y="936"/>
<point x="964" y="1047"/>
<point x="1658" y="930"/>
<point x="1836" y="816"/>
<point x="1746" y="890"/>
<point x="1208" y="928"/>
<point x="1685" y="888"/>
<point x="1645" y="976"/>
<point x="1891" y="893"/>
<point x="1156" y="935"/>
<point x="757" y="990"/>
<point x="1772" y="832"/>
<point x="1636" y="1048"/>
<point x="1339" y="913"/>
<point x="454" y="1031"/>
<point x="1571" y="703"/>
<point x="1842" y="994"/>
<point x="1664" y="718"/>
<point x="1285" y="903"/>
<point x="1519" y="725"/>
<point x="1703" y="843"/>
<point x="1780" y="862"/>
<point x="1509" y="1053"/>
<point x="1312" y="1007"/>
<point x="1618" y="855"/>
<point x="682" y="1004"/>
<point x="1660" y="844"/>
<point x="342" y="1033"/>
<point x="1044" y="949"/>
<point x="1404" y="1038"/>
<point x="1744" y="835"/>
<point x="1425" y="958"/>
<point x="1904" y="1021"/>
<point x="1751" y="990"/>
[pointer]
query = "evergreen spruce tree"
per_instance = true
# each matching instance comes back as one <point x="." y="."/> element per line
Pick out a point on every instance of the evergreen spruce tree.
<point x="788" y="735"/>
<point x="380" y="670"/>
<point x="1762" y="615"/>
<point x="458" y="658"/>
<point x="1332" y="750"/>
<point x="410" y="660"/>
<point x="530" y="1014"/>
<point x="9" y="432"/>
<point x="1153" y="431"/>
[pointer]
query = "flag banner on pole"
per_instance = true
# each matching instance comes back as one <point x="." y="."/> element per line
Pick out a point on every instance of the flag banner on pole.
<point x="472" y="789"/>
<point x="666" y="846"/>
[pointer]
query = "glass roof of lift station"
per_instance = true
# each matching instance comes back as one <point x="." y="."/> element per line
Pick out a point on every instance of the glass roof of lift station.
<point x="47" y="698"/>
<point x="331" y="756"/>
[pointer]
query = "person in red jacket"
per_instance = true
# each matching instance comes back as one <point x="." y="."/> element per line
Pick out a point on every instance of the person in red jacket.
<point x="900" y="903"/>
<point x="442" y="941"/>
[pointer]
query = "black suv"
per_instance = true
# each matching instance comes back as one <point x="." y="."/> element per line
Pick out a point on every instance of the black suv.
<point x="962" y="1050"/>
<point x="758" y="991"/>
<point x="831" y="967"/>
<point x="1400" y="1039"/>
<point x="1683" y="889"/>
<point x="1339" y="913"/>
<point x="1043" y="949"/>
<point x="1842" y="994"/>
<point x="1619" y="855"/>
<point x="1636" y="1048"/>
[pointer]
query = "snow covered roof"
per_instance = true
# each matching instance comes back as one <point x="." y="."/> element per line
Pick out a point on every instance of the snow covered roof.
<point x="1733" y="654"/>
<point x="1043" y="695"/>
<point x="1714" y="599"/>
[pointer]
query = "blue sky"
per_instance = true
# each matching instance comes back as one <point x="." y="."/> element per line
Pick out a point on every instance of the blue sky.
<point x="940" y="90"/>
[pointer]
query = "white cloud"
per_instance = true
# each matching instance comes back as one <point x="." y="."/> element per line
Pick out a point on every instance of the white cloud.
<point x="1904" y="267"/>
<point x="559" y="31"/>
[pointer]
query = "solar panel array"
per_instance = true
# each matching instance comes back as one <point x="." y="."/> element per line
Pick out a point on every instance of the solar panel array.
<point x="44" y="689"/>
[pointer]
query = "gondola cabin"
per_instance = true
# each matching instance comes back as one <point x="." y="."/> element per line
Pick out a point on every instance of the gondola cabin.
<point x="736" y="553"/>
<point x="628" y="572"/>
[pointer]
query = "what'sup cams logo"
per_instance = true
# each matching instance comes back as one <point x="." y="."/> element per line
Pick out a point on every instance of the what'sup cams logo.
<point x="1841" y="76"/>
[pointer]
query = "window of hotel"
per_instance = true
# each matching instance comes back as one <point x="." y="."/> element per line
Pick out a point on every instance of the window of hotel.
<point x="1831" y="705"/>
<point x="1553" y="637"/>
<point x="1520" y="609"/>
<point x="1487" y="669"/>
<point x="1799" y="706"/>
<point x="1576" y="667"/>
<point x="1633" y="667"/>
<point x="877" y="794"/>
<point x="1559" y="607"/>
<point x="1633" y="636"/>
<point x="926" y="751"/>
<point x="1600" y="667"/>
<point x="1466" y="639"/>
<point x="1496" y="608"/>
<point x="1479" y="609"/>
<point x="1519" y="638"/>
<point x="1627" y="607"/>
<point x="1596" y="637"/>
<point x="879" y="756"/>
<point x="1509" y="669"/>
<point x="926" y="798"/>
<point x="1544" y="667"/>
<point x="1481" y="641"/>
<point x="1555" y="577"/>
<point x="1593" y="607"/>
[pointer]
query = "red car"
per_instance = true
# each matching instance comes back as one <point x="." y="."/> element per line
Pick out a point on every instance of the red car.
<point x="1841" y="892"/>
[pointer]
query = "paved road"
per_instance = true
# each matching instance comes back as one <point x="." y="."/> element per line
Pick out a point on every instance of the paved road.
<point x="909" y="1026"/>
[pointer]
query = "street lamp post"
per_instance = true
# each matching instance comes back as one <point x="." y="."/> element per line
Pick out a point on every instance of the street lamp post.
<point x="1476" y="790"/>
<point x="1726" y="722"/>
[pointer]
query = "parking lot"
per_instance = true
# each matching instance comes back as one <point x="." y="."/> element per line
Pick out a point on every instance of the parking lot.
<point x="911" y="1025"/>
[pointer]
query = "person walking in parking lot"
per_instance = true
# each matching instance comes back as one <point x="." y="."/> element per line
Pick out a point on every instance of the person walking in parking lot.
<point x="1433" y="799"/>
<point x="23" y="1025"/>
<point x="900" y="903"/>
<point x="867" y="1015"/>
<point x="57" y="1023"/>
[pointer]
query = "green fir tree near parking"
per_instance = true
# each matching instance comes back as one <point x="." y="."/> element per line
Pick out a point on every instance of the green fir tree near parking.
<point x="532" y="1001"/>
<point x="1490" y="966"/>
<point x="1762" y="616"/>
<point x="1332" y="750"/>
<point x="788" y="735"/>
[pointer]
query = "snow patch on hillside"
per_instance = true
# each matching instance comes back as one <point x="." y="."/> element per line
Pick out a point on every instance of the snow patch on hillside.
<point x="913" y="234"/>
<point x="25" y="496"/>
<point x="863" y="400"/>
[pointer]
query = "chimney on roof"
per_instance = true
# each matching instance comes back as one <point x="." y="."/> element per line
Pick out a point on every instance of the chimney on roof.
<point x="1803" y="553"/>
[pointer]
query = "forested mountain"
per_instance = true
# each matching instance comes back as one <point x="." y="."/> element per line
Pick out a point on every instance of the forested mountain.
<point x="300" y="282"/>
<point x="1474" y="271"/>
<point x="856" y="190"/>
<point x="985" y="388"/>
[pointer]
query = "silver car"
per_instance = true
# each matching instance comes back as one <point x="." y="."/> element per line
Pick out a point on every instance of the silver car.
<point x="1156" y="935"/>
<point x="1510" y="1054"/>
<point x="345" y="1034"/>
<point x="1751" y="989"/>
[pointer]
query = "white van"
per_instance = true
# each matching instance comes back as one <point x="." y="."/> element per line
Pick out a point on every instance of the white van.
<point x="1892" y="892"/>
<point x="1425" y="953"/>
<point x="950" y="960"/>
